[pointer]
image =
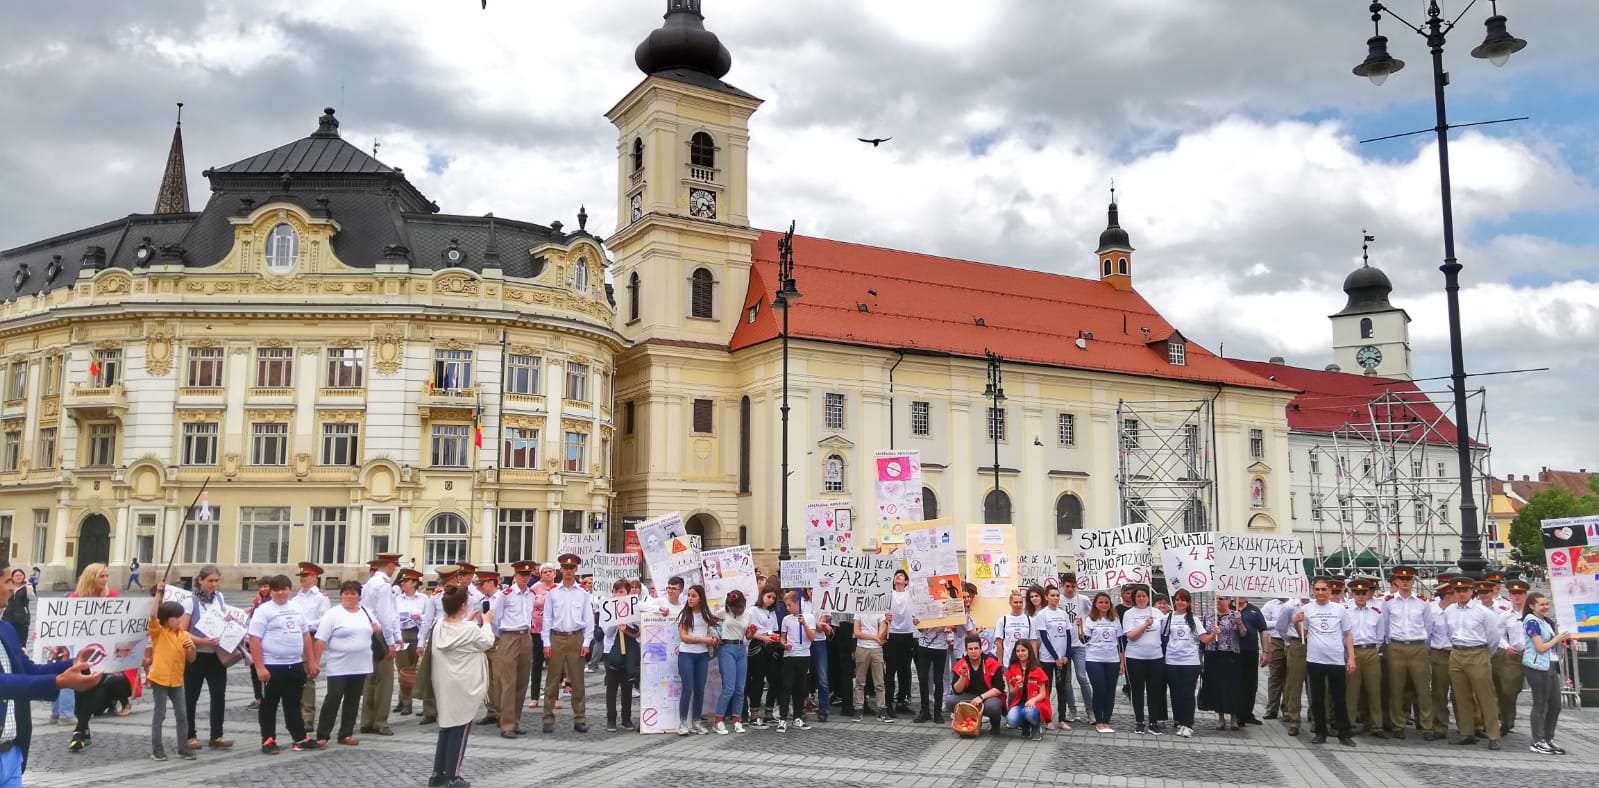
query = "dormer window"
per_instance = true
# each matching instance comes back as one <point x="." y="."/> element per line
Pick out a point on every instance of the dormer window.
<point x="580" y="279"/>
<point x="1177" y="352"/>
<point x="282" y="248"/>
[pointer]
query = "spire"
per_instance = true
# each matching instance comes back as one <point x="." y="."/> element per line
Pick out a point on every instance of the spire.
<point x="174" y="194"/>
<point x="683" y="42"/>
<point x="1114" y="237"/>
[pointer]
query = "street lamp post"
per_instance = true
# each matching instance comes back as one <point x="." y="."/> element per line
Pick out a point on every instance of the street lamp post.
<point x="995" y="391"/>
<point x="1497" y="47"/>
<point x="784" y="299"/>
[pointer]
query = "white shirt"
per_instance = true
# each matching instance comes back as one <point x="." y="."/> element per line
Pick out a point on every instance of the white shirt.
<point x="513" y="610"/>
<point x="1146" y="646"/>
<point x="793" y="633"/>
<point x="733" y="627"/>
<point x="765" y="621"/>
<point x="1182" y="641"/>
<point x="568" y="609"/>
<point x="1101" y="638"/>
<point x="313" y="603"/>
<point x="1055" y="626"/>
<point x="869" y="623"/>
<point x="348" y="635"/>
<point x="412" y="610"/>
<point x="1076" y="606"/>
<point x="1285" y="627"/>
<point x="1325" y="625"/>
<point x="1009" y="629"/>
<point x="1515" y="633"/>
<point x="697" y="628"/>
<point x="377" y="597"/>
<point x="1438" y="629"/>
<point x="281" y="629"/>
<point x="1473" y="625"/>
<point x="1366" y="625"/>
<point x="899" y="603"/>
<point x="1269" y="612"/>
<point x="1407" y="618"/>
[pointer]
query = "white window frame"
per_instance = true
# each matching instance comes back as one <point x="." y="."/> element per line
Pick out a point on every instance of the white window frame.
<point x="50" y="378"/>
<point x="269" y="443"/>
<point x="1066" y="430"/>
<point x="441" y="546"/>
<point x="206" y="367"/>
<point x="831" y="481"/>
<point x="921" y="418"/>
<point x="146" y="527"/>
<point x="996" y="424"/>
<point x="11" y="455"/>
<point x="335" y="436"/>
<point x="200" y="539"/>
<point x="448" y="444"/>
<point x="346" y="368"/>
<point x="523" y="441"/>
<point x="48" y="440"/>
<point x="453" y="367"/>
<point x="517" y="536"/>
<point x="1130" y="434"/>
<point x="330" y="531"/>
<point x="269" y="521"/>
<point x="577" y="382"/>
<point x="102" y="445"/>
<point x="1177" y="353"/>
<point x="575" y="443"/>
<point x="110" y="361"/>
<point x="41" y="535"/>
<point x="522" y="372"/>
<point x="282" y="248"/>
<point x="1257" y="444"/>
<point x="17" y="380"/>
<point x="833" y="407"/>
<point x="274" y="367"/>
<point x="199" y="442"/>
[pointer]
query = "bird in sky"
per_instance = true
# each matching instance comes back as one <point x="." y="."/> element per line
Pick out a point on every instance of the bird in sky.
<point x="875" y="142"/>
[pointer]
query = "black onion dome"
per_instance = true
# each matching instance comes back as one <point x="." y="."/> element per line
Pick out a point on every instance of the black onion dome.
<point x="1368" y="288"/>
<point x="1114" y="237"/>
<point x="683" y="42"/>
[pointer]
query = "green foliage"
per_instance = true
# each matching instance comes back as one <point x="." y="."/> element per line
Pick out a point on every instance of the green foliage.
<point x="1526" y="533"/>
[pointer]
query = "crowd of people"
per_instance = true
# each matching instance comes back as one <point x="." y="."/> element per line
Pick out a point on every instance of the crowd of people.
<point x="1380" y="662"/>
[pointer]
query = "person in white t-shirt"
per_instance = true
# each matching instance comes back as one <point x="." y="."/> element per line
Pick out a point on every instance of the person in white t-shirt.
<point x="1146" y="664"/>
<point x="899" y="653"/>
<point x="696" y="627"/>
<point x="281" y="650"/>
<point x="1055" y="643"/>
<point x="1100" y="632"/>
<point x="1181" y="632"/>
<point x="871" y="631"/>
<point x="344" y="651"/>
<point x="1012" y="627"/>
<point x="765" y="655"/>
<point x="1076" y="606"/>
<point x="798" y="631"/>
<point x="1329" y="659"/>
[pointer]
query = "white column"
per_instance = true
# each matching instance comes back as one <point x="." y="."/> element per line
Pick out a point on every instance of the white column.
<point x="119" y="538"/>
<point x="58" y="552"/>
<point x="485" y="553"/>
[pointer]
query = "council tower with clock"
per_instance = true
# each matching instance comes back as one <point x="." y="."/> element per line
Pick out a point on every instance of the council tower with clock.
<point x="1371" y="335"/>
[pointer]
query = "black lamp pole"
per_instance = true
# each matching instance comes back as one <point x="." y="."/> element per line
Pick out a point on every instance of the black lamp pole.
<point x="995" y="391"/>
<point x="783" y="300"/>
<point x="1496" y="47"/>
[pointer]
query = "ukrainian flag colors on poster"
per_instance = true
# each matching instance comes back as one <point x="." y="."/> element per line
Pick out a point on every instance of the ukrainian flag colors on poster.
<point x="1571" y="551"/>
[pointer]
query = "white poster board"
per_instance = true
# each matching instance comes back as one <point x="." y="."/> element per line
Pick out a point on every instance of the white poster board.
<point x="855" y="582"/>
<point x="584" y="546"/>
<point x="1260" y="566"/>
<point x="660" y="685"/>
<point x="899" y="493"/>
<point x="1571" y="552"/>
<point x="726" y="570"/>
<point x="118" y="626"/>
<point x="620" y="610"/>
<point x="1108" y="558"/>
<point x="1037" y="568"/>
<point x="668" y="552"/>
<point x="608" y="568"/>
<point x="829" y="527"/>
<point x="234" y="629"/>
<point x="798" y="573"/>
<point x="1187" y="560"/>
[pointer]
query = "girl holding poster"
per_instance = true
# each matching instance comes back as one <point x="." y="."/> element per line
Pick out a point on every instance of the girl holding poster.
<point x="1541" y="658"/>
<point x="1101" y="631"/>
<point x="1145" y="662"/>
<point x="694" y="628"/>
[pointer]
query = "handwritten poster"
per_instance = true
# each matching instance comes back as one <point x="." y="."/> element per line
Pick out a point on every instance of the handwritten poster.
<point x="932" y="561"/>
<point x="611" y="567"/>
<point x="1111" y="557"/>
<point x="728" y="569"/>
<point x="899" y="493"/>
<point x="234" y="629"/>
<point x="1187" y="560"/>
<point x="854" y="582"/>
<point x="660" y="685"/>
<point x="1259" y="566"/>
<point x="668" y="552"/>
<point x="1037" y="568"/>
<point x="620" y="610"/>
<point x="119" y="627"/>
<point x="1571" y="551"/>
<point x="584" y="546"/>
<point x="799" y="573"/>
<point x="829" y="527"/>
<point x="991" y="566"/>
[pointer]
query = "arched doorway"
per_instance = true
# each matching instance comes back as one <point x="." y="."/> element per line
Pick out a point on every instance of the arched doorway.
<point x="706" y="528"/>
<point x="94" y="542"/>
<point x="996" y="507"/>
<point x="929" y="504"/>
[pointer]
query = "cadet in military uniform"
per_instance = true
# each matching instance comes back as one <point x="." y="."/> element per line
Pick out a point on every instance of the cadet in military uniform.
<point x="1292" y="634"/>
<point x="1474" y="632"/>
<point x="512" y="659"/>
<point x="1407" y="619"/>
<point x="1508" y="670"/>
<point x="568" y="621"/>
<point x="1438" y="649"/>
<point x="314" y="603"/>
<point x="411" y="607"/>
<point x="1365" y="682"/>
<point x="377" y="599"/>
<point x="480" y="599"/>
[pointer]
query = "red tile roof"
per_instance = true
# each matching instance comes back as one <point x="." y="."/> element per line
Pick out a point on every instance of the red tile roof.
<point x="931" y="304"/>
<point x="1330" y="400"/>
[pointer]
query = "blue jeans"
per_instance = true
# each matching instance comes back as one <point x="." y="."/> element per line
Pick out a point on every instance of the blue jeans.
<point x="1080" y="667"/>
<point x="734" y="663"/>
<point x="66" y="705"/>
<point x="1104" y="675"/>
<point x="819" y="677"/>
<point x="11" y="768"/>
<point x="1024" y="717"/>
<point x="693" y="669"/>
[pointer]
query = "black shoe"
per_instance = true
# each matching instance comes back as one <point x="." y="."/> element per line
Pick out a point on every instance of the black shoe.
<point x="1318" y="739"/>
<point x="368" y="729"/>
<point x="886" y="718"/>
<point x="1378" y="734"/>
<point x="938" y="717"/>
<point x="610" y="727"/>
<point x="627" y="725"/>
<point x="902" y="708"/>
<point x="495" y="721"/>
<point x="1465" y="741"/>
<point x="1155" y="729"/>
<point x="459" y="782"/>
<point x="1346" y="741"/>
<point x="581" y="727"/>
<point x="437" y="780"/>
<point x="821" y="716"/>
<point x="1430" y="736"/>
<point x="1399" y="734"/>
<point x="507" y="734"/>
<point x="922" y="716"/>
<point x="1140" y="729"/>
<point x="1293" y="730"/>
<point x="1493" y="744"/>
<point x="426" y="720"/>
<point x="860" y="717"/>
<point x="1271" y="715"/>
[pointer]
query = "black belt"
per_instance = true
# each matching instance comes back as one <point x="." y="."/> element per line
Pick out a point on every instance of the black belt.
<point x="1468" y="648"/>
<point x="1407" y="642"/>
<point x="1358" y="646"/>
<point x="727" y="642"/>
<point x="566" y="632"/>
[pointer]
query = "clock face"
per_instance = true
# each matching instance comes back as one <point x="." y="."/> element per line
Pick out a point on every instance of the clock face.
<point x="1368" y="357"/>
<point x="702" y="203"/>
<point x="454" y="255"/>
<point x="636" y="206"/>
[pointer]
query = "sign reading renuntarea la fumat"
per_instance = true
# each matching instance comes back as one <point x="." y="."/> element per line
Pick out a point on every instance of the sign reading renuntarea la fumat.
<point x="1259" y="566"/>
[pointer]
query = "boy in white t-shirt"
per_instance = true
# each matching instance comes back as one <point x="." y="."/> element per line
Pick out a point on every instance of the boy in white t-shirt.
<point x="280" y="649"/>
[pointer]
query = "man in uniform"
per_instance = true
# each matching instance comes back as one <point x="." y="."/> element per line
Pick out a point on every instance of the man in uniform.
<point x="567" y="622"/>
<point x="313" y="603"/>
<point x="1292" y="635"/>
<point x="1508" y="673"/>
<point x="1276" y="656"/>
<point x="513" y="616"/>
<point x="1474" y="632"/>
<point x="1406" y="620"/>
<point x="449" y="577"/>
<point x="377" y="599"/>
<point x="1365" y="681"/>
<point x="1450" y="589"/>
<point x="412" y="611"/>
<point x="480" y="599"/>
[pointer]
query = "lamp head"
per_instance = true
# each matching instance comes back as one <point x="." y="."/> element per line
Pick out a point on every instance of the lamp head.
<point x="1498" y="45"/>
<point x="1378" y="63"/>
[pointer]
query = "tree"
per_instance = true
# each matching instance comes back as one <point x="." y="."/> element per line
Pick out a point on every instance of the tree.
<point x="1526" y="532"/>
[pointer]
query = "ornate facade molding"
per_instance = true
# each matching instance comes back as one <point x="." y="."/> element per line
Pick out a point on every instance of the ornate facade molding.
<point x="158" y="352"/>
<point x="390" y="351"/>
<point x="577" y="425"/>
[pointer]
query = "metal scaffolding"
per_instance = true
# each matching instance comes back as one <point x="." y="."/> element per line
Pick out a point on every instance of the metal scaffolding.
<point x="1388" y="502"/>
<point x="1167" y="471"/>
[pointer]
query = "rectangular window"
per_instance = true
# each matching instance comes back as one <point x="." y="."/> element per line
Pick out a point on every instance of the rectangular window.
<point x="833" y="411"/>
<point x="346" y="367"/>
<point x="50" y="380"/>
<point x="340" y="443"/>
<point x="522" y="374"/>
<point x="452" y="370"/>
<point x="11" y="454"/>
<point x="1441" y="472"/>
<point x="1066" y="429"/>
<point x="200" y="541"/>
<point x="1415" y="469"/>
<point x="1257" y="444"/>
<point x="571" y="522"/>
<point x="1129" y="434"/>
<point x="380" y="532"/>
<point x="1177" y="353"/>
<point x="577" y="445"/>
<point x="263" y="534"/>
<point x="1315" y="464"/>
<point x="5" y="536"/>
<point x="144" y="538"/>
<point x="269" y="443"/>
<point x="17" y="380"/>
<point x="629" y="418"/>
<point x="1421" y="512"/>
<point x="577" y="382"/>
<point x="921" y="419"/>
<point x="449" y="445"/>
<point x="200" y="443"/>
<point x="521" y="448"/>
<point x="1365" y="467"/>
<point x="329" y="527"/>
<point x="106" y="369"/>
<point x="518" y="531"/>
<point x="47" y="447"/>
<point x="1315" y="510"/>
<point x="41" y="535"/>
<point x="274" y="367"/>
<point x="996" y="424"/>
<point x="1293" y="506"/>
<point x="205" y="367"/>
<point x="704" y="416"/>
<point x="102" y="444"/>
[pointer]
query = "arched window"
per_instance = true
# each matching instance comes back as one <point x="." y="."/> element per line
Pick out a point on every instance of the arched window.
<point x="282" y="247"/>
<point x="633" y="296"/>
<point x="638" y="154"/>
<point x="446" y="540"/>
<point x="1121" y="265"/>
<point x="1068" y="515"/>
<point x="744" y="444"/>
<point x="1108" y="269"/>
<point x="1365" y="328"/>
<point x="929" y="504"/>
<point x="833" y="473"/>
<point x="580" y="277"/>
<point x="702" y="286"/>
<point x="996" y="507"/>
<point x="701" y="150"/>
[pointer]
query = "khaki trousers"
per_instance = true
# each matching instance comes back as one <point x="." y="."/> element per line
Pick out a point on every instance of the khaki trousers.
<point x="1508" y="680"/>
<point x="1409" y="676"/>
<point x="1365" y="684"/>
<point x="1471" y="677"/>
<point x="308" y="701"/>
<point x="1442" y="698"/>
<point x="423" y="688"/>
<point x="509" y="665"/>
<point x="377" y="694"/>
<point x="869" y="661"/>
<point x="1294" y="689"/>
<point x="1277" y="677"/>
<point x="566" y="662"/>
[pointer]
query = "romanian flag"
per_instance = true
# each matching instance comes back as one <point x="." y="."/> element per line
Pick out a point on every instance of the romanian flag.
<point x="477" y="423"/>
<point x="94" y="368"/>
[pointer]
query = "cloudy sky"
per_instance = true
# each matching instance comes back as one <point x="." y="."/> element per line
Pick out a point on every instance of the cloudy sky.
<point x="1230" y="128"/>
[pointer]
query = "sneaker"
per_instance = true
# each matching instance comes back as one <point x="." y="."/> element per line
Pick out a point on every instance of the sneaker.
<point x="158" y="756"/>
<point x="860" y="717"/>
<point x="269" y="747"/>
<point x="799" y="724"/>
<point x="760" y="724"/>
<point x="738" y="727"/>
<point x="720" y="728"/>
<point x="187" y="755"/>
<point x="1038" y="734"/>
<point x="885" y="718"/>
<point x="1104" y="729"/>
<point x="1155" y="729"/>
<point x="1140" y="729"/>
<point x="1185" y="731"/>
<point x="1540" y="748"/>
<point x="782" y="726"/>
<point x="685" y="731"/>
<point x="610" y="727"/>
<point x="304" y="744"/>
<point x="1554" y="748"/>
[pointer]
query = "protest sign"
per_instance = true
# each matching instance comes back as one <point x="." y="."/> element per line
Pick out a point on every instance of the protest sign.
<point x="728" y="569"/>
<point x="1037" y="568"/>
<point x="1259" y="566"/>
<point x="799" y="573"/>
<point x="118" y="627"/>
<point x="991" y="566"/>
<point x="611" y="567"/>
<point x="620" y="610"/>
<point x="1187" y="560"/>
<point x="1112" y="557"/>
<point x="234" y="628"/>
<point x="584" y="546"/>
<point x="178" y="594"/>
<point x="1571" y="551"/>
<point x="899" y="493"/>
<point x="668" y="551"/>
<point x="211" y="622"/>
<point x="660" y="684"/>
<point x="829" y="527"/>
<point x="854" y="582"/>
<point x="933" y="564"/>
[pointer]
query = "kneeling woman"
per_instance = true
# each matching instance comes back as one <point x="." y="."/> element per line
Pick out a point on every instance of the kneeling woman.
<point x="1027" y="698"/>
<point x="977" y="680"/>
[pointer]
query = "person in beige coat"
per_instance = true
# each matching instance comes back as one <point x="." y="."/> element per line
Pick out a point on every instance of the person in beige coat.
<point x="460" y="677"/>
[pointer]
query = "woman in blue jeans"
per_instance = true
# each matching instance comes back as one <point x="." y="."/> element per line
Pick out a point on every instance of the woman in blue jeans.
<point x="696" y="629"/>
<point x="1100" y="632"/>
<point x="732" y="660"/>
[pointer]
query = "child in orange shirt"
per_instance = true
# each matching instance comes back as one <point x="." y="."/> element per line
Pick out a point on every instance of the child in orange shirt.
<point x="170" y="649"/>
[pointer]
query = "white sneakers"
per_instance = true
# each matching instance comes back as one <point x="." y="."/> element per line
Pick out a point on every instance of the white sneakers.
<point x="685" y="731"/>
<point x="738" y="727"/>
<point x="799" y="724"/>
<point x="782" y="726"/>
<point x="720" y="728"/>
<point x="700" y="729"/>
<point x="1185" y="731"/>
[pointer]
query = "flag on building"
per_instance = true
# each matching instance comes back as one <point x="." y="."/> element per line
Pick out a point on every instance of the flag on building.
<point x="94" y="368"/>
<point x="477" y="423"/>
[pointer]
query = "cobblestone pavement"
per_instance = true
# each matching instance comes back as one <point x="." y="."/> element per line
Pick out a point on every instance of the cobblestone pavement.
<point x="839" y="753"/>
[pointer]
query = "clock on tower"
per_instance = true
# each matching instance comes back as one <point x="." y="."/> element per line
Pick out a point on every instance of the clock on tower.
<point x="1368" y="357"/>
<point x="702" y="203"/>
